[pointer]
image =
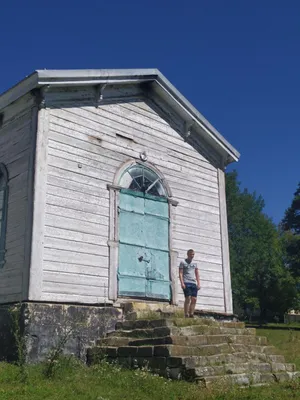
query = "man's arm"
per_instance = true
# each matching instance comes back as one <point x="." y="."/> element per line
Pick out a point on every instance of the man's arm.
<point x="197" y="277"/>
<point x="181" y="277"/>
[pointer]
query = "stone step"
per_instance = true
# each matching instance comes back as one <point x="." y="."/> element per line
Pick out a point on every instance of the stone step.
<point x="200" y="340"/>
<point x="171" y="350"/>
<point x="240" y="368"/>
<point x="215" y="330"/>
<point x="182" y="322"/>
<point x="159" y="351"/>
<point x="178" y="322"/>
<point x="184" y="331"/>
<point x="188" y="361"/>
<point x="221" y="359"/>
<point x="144" y="310"/>
<point x="248" y="379"/>
<point x="145" y="356"/>
<point x="196" y="340"/>
<point x="268" y="350"/>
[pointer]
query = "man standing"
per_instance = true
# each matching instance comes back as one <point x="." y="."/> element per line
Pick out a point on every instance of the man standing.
<point x="190" y="283"/>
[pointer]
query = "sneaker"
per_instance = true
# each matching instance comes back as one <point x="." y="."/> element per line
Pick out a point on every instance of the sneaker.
<point x="191" y="316"/>
<point x="186" y="316"/>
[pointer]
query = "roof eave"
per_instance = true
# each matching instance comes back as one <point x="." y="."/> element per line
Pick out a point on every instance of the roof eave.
<point x="194" y="114"/>
<point x="93" y="77"/>
<point x="20" y="89"/>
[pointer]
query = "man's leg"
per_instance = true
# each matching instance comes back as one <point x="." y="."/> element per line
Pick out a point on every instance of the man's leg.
<point x="187" y="303"/>
<point x="192" y="306"/>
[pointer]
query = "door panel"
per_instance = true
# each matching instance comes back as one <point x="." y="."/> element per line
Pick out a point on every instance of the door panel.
<point x="144" y="246"/>
<point x="132" y="202"/>
<point x="156" y="232"/>
<point x="132" y="287"/>
<point x="131" y="228"/>
<point x="132" y="271"/>
<point x="158" y="290"/>
<point x="159" y="264"/>
<point x="156" y="207"/>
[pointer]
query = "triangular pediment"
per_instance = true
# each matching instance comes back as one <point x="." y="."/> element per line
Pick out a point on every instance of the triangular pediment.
<point x="54" y="87"/>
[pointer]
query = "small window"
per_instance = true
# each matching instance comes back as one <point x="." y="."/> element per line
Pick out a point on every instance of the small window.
<point x="3" y="211"/>
<point x="142" y="179"/>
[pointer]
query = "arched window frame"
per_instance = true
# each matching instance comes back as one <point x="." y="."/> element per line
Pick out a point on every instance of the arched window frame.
<point x="3" y="211"/>
<point x="141" y="177"/>
<point x="113" y="242"/>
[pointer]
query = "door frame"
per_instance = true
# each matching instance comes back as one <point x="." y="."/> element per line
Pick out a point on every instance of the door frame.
<point x="113" y="242"/>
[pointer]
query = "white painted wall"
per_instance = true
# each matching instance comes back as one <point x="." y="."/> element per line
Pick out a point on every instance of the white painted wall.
<point x="16" y="153"/>
<point x="86" y="146"/>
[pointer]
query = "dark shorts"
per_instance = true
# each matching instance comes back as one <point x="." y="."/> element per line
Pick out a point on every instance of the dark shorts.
<point x="190" y="290"/>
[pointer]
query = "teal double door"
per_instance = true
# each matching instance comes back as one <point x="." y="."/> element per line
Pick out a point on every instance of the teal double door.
<point x="143" y="269"/>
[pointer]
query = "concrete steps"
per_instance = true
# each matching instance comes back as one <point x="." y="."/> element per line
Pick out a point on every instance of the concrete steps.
<point x="200" y="349"/>
<point x="179" y="322"/>
<point x="250" y="379"/>
<point x="183" y="331"/>
<point x="196" y="340"/>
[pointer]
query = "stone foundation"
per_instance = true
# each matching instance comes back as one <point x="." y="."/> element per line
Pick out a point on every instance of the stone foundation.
<point x="44" y="326"/>
<point x="7" y="348"/>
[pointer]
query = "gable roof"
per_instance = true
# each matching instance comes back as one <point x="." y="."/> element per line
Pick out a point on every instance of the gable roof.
<point x="154" y="77"/>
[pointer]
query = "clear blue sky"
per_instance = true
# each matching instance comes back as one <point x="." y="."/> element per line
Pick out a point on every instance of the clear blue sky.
<point x="238" y="62"/>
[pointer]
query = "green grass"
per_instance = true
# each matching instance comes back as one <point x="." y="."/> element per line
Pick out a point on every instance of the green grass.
<point x="106" y="382"/>
<point x="275" y="325"/>
<point x="286" y="341"/>
<point x="73" y="380"/>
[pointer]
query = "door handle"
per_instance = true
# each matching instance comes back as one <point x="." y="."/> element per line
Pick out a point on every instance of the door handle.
<point x="141" y="258"/>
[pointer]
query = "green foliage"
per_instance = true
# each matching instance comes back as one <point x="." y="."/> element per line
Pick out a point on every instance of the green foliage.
<point x="52" y="364"/>
<point x="291" y="220"/>
<point x="20" y="340"/>
<point x="259" y="277"/>
<point x="290" y="228"/>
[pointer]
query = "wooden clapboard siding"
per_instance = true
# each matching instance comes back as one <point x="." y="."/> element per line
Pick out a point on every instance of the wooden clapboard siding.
<point x="86" y="147"/>
<point x="16" y="153"/>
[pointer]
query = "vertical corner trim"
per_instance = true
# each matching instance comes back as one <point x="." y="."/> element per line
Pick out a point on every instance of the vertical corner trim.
<point x="39" y="205"/>
<point x="113" y="243"/>
<point x="30" y="192"/>
<point x="173" y="254"/>
<point x="225" y="243"/>
<point x="174" y="276"/>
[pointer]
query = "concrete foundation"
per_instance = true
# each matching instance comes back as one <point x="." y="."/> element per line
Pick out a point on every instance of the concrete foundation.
<point x="46" y="326"/>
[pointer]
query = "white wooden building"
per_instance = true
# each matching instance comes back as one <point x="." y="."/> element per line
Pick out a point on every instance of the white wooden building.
<point x="72" y="142"/>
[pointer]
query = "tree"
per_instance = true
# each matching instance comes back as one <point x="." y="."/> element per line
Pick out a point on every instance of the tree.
<point x="290" y="229"/>
<point x="259" y="277"/>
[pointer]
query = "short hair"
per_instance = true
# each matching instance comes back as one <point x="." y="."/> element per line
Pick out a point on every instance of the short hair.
<point x="190" y="251"/>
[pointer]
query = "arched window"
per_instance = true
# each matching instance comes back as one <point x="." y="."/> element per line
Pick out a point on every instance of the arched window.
<point x="3" y="211"/>
<point x="140" y="178"/>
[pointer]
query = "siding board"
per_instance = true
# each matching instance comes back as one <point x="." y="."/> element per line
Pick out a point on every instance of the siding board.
<point x="15" y="152"/>
<point x="86" y="149"/>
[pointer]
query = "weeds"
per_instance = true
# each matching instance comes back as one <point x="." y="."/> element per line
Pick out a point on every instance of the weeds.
<point x="149" y="315"/>
<point x="52" y="363"/>
<point x="20" y="341"/>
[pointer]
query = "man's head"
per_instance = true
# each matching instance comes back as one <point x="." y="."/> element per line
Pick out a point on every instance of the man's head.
<point x="190" y="254"/>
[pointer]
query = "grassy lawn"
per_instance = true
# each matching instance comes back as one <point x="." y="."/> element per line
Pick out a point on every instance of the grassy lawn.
<point x="287" y="341"/>
<point x="275" y="325"/>
<point x="106" y="382"/>
<point x="73" y="380"/>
